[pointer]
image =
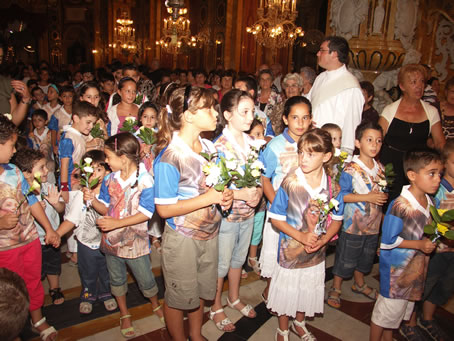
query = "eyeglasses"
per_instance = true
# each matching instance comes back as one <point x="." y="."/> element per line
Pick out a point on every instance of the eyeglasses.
<point x="186" y="97"/>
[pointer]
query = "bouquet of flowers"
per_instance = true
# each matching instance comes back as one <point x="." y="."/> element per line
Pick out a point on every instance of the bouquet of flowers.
<point x="86" y="171"/>
<point x="36" y="186"/>
<point x="386" y="180"/>
<point x="130" y="125"/>
<point x="96" y="132"/>
<point x="147" y="135"/>
<point x="440" y="225"/>
<point x="139" y="99"/>
<point x="341" y="156"/>
<point x="253" y="168"/>
<point x="323" y="207"/>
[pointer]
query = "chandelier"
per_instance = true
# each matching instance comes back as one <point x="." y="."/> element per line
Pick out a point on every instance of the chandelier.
<point x="275" y="26"/>
<point x="124" y="33"/>
<point x="176" y="33"/>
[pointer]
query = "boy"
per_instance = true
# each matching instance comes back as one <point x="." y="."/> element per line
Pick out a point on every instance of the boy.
<point x="62" y="117"/>
<point x="107" y="83"/>
<point x="31" y="162"/>
<point x="362" y="214"/>
<point x="72" y="144"/>
<point x="369" y="113"/>
<point x="92" y="262"/>
<point x="39" y="97"/>
<point x="403" y="254"/>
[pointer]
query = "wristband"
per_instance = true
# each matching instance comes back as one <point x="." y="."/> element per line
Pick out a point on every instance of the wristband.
<point x="64" y="187"/>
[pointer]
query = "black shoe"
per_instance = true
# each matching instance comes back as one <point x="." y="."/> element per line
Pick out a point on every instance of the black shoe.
<point x="433" y="329"/>
<point x="411" y="333"/>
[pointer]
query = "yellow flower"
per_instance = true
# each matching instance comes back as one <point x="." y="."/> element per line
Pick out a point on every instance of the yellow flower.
<point x="442" y="229"/>
<point x="37" y="176"/>
<point x="35" y="186"/>
<point x="343" y="155"/>
<point x="441" y="211"/>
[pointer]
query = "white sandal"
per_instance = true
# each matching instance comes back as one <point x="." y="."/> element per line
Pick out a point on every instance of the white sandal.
<point x="221" y="325"/>
<point x="307" y="336"/>
<point x="254" y="266"/>
<point x="283" y="333"/>
<point x="46" y="332"/>
<point x="246" y="309"/>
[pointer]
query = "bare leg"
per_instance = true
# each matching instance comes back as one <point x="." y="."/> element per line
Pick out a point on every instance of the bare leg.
<point x="218" y="305"/>
<point x="253" y="251"/>
<point x="154" y="304"/>
<point x="36" y="316"/>
<point x="121" y="301"/>
<point x="267" y="288"/>
<point x="174" y="322"/>
<point x="54" y="283"/>
<point x="300" y="318"/>
<point x="376" y="332"/>
<point x="283" y="325"/>
<point x="412" y="321"/>
<point x="428" y="310"/>
<point x="195" y="323"/>
<point x="234" y="289"/>
<point x="337" y="284"/>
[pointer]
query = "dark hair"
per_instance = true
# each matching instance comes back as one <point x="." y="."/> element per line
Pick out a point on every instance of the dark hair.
<point x="256" y="122"/>
<point x="125" y="144"/>
<point x="171" y="120"/>
<point x="105" y="77"/>
<point x="26" y="158"/>
<point x="99" y="157"/>
<point x="84" y="109"/>
<point x="365" y="125"/>
<point x="122" y="82"/>
<point x="35" y="89"/>
<point x="165" y="90"/>
<point x="366" y="85"/>
<point x="14" y="304"/>
<point x="227" y="73"/>
<point x="266" y="71"/>
<point x="447" y="150"/>
<point x="294" y="101"/>
<point x="431" y="80"/>
<point x="40" y="113"/>
<point x="88" y="85"/>
<point x="7" y="129"/>
<point x="131" y="67"/>
<point x="251" y="84"/>
<point x="319" y="141"/>
<point x="200" y="72"/>
<point x="339" y="45"/>
<point x="417" y="159"/>
<point x="231" y="100"/>
<point x="145" y="106"/>
<point x="31" y="82"/>
<point x="67" y="88"/>
<point x="115" y="66"/>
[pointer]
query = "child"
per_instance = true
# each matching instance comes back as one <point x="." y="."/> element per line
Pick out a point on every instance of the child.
<point x="190" y="239"/>
<point x="93" y="272"/>
<point x="235" y="232"/>
<point x="369" y="113"/>
<point x="20" y="249"/>
<point x="257" y="132"/>
<point x="32" y="162"/>
<point x="39" y="98"/>
<point x="363" y="200"/>
<point x="126" y="203"/>
<point x="52" y="96"/>
<point x="336" y="134"/>
<point x="107" y="83"/>
<point x="118" y="113"/>
<point x="297" y="284"/>
<point x="403" y="254"/>
<point x="61" y="117"/>
<point x="148" y="113"/>
<point x="279" y="157"/>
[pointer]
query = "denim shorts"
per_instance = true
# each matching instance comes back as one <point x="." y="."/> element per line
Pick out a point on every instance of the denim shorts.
<point x="234" y="240"/>
<point x="140" y="267"/>
<point x="439" y="285"/>
<point x="51" y="261"/>
<point x="354" y="252"/>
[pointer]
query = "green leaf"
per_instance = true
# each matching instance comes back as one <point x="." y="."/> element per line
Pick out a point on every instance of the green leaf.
<point x="448" y="216"/>
<point x="449" y="235"/>
<point x="206" y="156"/>
<point x="429" y="229"/>
<point x="94" y="182"/>
<point x="435" y="214"/>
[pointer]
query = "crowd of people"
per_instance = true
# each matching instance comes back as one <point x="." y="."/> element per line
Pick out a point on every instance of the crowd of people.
<point x="217" y="170"/>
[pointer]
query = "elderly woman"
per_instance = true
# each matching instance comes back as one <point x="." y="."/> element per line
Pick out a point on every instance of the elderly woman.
<point x="408" y="123"/>
<point x="292" y="86"/>
<point x="267" y="98"/>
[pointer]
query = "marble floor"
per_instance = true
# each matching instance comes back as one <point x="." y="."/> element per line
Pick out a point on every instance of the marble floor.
<point x="351" y="322"/>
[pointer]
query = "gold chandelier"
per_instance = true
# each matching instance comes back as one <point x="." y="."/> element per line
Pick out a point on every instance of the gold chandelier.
<point x="124" y="33"/>
<point x="176" y="32"/>
<point x="275" y="26"/>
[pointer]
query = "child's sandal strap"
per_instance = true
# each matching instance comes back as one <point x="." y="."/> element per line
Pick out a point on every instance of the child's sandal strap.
<point x="125" y="316"/>
<point x="157" y="308"/>
<point x="336" y="290"/>
<point x="39" y="323"/>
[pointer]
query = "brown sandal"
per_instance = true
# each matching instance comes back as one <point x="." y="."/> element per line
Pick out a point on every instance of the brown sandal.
<point x="373" y="294"/>
<point x="334" y="301"/>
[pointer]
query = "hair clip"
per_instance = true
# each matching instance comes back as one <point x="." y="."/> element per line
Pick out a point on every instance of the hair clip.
<point x="115" y="145"/>
<point x="169" y="109"/>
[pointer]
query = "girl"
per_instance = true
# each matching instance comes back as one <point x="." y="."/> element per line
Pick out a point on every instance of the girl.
<point x="20" y="249"/>
<point x="62" y="117"/>
<point x="236" y="229"/>
<point x="148" y="113"/>
<point x="190" y="239"/>
<point x="126" y="202"/>
<point x="117" y="114"/>
<point x="297" y="283"/>
<point x="279" y="157"/>
<point x="52" y="105"/>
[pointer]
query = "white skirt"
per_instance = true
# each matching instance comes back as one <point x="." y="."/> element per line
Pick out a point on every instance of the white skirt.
<point x="268" y="253"/>
<point x="297" y="290"/>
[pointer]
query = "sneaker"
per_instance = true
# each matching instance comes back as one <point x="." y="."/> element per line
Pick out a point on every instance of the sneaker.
<point x="433" y="329"/>
<point x="411" y="333"/>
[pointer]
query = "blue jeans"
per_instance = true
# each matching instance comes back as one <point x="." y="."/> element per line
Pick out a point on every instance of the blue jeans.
<point x="234" y="240"/>
<point x="93" y="273"/>
<point x="140" y="267"/>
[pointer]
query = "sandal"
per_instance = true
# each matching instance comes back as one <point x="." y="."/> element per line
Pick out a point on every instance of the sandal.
<point x="127" y="332"/>
<point x="307" y="336"/>
<point x="222" y="324"/>
<point x="246" y="309"/>
<point x="85" y="308"/>
<point x="334" y="301"/>
<point x="283" y="333"/>
<point x="254" y="266"/>
<point x="46" y="332"/>
<point x="243" y="274"/>
<point x="56" y="294"/>
<point x="110" y="304"/>
<point x="162" y="318"/>
<point x="373" y="294"/>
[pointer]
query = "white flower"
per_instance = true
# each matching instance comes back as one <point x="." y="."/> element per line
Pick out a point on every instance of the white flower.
<point x="231" y="164"/>
<point x="142" y="128"/>
<point x="257" y="144"/>
<point x="257" y="164"/>
<point x="335" y="203"/>
<point x="213" y="176"/>
<point x="229" y="155"/>
<point x="35" y="186"/>
<point x="88" y="160"/>
<point x="321" y="196"/>
<point x="337" y="152"/>
<point x="130" y="119"/>
<point x="37" y="176"/>
<point x="255" y="173"/>
<point x="382" y="183"/>
<point x="88" y="170"/>
<point x="240" y="170"/>
<point x="8" y="116"/>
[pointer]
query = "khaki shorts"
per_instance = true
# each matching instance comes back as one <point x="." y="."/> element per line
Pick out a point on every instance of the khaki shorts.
<point x="190" y="269"/>
<point x="389" y="312"/>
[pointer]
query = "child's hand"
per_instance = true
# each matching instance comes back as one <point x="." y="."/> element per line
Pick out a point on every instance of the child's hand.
<point x="88" y="194"/>
<point x="52" y="238"/>
<point x="8" y="221"/>
<point x="427" y="246"/>
<point x="256" y="195"/>
<point x="53" y="196"/>
<point x="377" y="198"/>
<point x="213" y="196"/>
<point x="227" y="199"/>
<point x="308" y="238"/>
<point x="311" y="249"/>
<point x="107" y="224"/>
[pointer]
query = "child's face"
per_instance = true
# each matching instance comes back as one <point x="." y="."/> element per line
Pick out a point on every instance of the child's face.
<point x="449" y="166"/>
<point x="241" y="118"/>
<point x="67" y="98"/>
<point x="8" y="149"/>
<point x="118" y="75"/>
<point x="44" y="75"/>
<point x="148" y="119"/>
<point x="108" y="86"/>
<point x="38" y="122"/>
<point x="38" y="95"/>
<point x="52" y="94"/>
<point x="370" y="143"/>
<point x="98" y="172"/>
<point x="428" y="179"/>
<point x="298" y="120"/>
<point x="205" y="119"/>
<point x="310" y="161"/>
<point x="92" y="96"/>
<point x="40" y="167"/>
<point x="336" y="137"/>
<point x="200" y="79"/>
<point x="114" y="161"/>
<point x="257" y="132"/>
<point x="128" y="92"/>
<point x="87" y="76"/>
<point x="132" y="73"/>
<point x="84" y="124"/>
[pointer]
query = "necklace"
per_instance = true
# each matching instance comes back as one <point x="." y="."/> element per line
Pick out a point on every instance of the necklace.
<point x="411" y="128"/>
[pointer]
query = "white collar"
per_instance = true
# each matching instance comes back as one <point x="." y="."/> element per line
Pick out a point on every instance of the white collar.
<point x="415" y="203"/>
<point x="182" y="144"/>
<point x="312" y="191"/>
<point x="371" y="172"/>
<point x="132" y="178"/>
<point x="73" y="130"/>
<point x="43" y="135"/>
<point x="335" y="73"/>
